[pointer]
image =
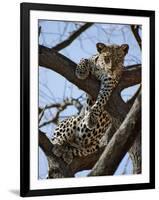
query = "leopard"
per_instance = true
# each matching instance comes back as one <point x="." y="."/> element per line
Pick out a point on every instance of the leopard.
<point x="80" y="135"/>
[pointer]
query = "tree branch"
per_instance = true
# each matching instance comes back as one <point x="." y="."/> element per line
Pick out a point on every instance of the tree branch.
<point x="60" y="108"/>
<point x="131" y="76"/>
<point x="45" y="143"/>
<point x="135" y="31"/>
<point x="57" y="167"/>
<point x="78" y="163"/>
<point x="120" y="143"/>
<point x="72" y="37"/>
<point x="39" y="30"/>
<point x="131" y="101"/>
<point x="66" y="102"/>
<point x="57" y="62"/>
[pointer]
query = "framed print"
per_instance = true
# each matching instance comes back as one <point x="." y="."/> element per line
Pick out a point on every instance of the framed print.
<point x="87" y="99"/>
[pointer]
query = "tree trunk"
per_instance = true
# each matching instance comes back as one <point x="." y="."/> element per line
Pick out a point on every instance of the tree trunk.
<point x="135" y="155"/>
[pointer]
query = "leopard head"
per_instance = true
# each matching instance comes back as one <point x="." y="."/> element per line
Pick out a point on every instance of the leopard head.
<point x="111" y="57"/>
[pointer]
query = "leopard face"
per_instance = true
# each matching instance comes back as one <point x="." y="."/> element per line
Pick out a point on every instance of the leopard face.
<point x="111" y="57"/>
<point x="109" y="60"/>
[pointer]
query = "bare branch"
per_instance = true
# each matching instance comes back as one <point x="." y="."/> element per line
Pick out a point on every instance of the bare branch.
<point x="131" y="101"/>
<point x="131" y="76"/>
<point x="41" y="113"/>
<point x="57" y="167"/>
<point x="53" y="120"/>
<point x="120" y="143"/>
<point x="72" y="37"/>
<point x="39" y="31"/>
<point x="126" y="165"/>
<point x="78" y="164"/>
<point x="135" y="31"/>
<point x="45" y="143"/>
<point x="55" y="61"/>
<point x="135" y="155"/>
<point x="60" y="107"/>
<point x="66" y="102"/>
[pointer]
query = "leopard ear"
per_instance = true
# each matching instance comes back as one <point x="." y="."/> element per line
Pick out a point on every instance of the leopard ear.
<point x="125" y="48"/>
<point x="100" y="47"/>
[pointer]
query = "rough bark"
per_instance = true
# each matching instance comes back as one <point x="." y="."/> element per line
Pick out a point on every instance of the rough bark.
<point x="135" y="151"/>
<point x="58" y="168"/>
<point x="135" y="155"/>
<point x="120" y="143"/>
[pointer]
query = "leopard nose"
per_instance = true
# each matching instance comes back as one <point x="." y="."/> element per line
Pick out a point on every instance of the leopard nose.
<point x="109" y="67"/>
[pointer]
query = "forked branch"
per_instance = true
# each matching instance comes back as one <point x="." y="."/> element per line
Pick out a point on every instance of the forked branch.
<point x="120" y="143"/>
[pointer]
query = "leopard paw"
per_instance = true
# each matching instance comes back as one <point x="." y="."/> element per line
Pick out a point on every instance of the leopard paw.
<point x="82" y="69"/>
<point x="67" y="157"/>
<point x="91" y="120"/>
<point x="57" y="151"/>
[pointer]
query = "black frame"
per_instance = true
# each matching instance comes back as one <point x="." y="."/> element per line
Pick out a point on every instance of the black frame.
<point x="25" y="99"/>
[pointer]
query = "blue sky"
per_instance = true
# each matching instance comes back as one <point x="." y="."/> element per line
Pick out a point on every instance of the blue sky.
<point x="52" y="33"/>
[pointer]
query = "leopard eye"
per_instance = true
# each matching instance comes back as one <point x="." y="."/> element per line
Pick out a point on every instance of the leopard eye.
<point x="96" y="59"/>
<point x="107" y="59"/>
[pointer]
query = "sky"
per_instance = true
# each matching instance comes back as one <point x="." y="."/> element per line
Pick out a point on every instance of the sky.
<point x="53" y="32"/>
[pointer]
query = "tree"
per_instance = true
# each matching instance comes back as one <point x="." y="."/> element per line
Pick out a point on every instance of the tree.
<point x="125" y="132"/>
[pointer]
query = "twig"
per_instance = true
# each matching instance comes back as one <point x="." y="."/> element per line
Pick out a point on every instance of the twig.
<point x="72" y="37"/>
<point x="60" y="107"/>
<point x="42" y="113"/>
<point x="135" y="31"/>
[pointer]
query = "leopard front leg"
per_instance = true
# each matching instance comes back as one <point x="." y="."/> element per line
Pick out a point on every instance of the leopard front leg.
<point x="83" y="69"/>
<point x="85" y="151"/>
<point x="68" y="155"/>
<point x="107" y="85"/>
